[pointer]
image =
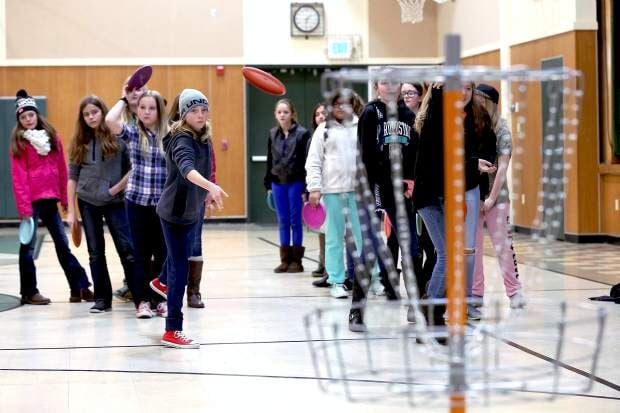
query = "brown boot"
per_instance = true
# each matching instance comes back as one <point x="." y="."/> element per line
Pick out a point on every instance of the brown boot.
<point x="285" y="259"/>
<point x="36" y="299"/>
<point x="297" y="255"/>
<point x="320" y="271"/>
<point x="194" y="299"/>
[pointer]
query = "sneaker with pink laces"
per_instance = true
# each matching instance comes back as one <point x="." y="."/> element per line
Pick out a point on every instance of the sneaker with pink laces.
<point x="159" y="287"/>
<point x="144" y="310"/>
<point x="162" y="309"/>
<point x="178" y="339"/>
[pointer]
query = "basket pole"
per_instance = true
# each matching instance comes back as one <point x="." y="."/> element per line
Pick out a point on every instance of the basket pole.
<point x="454" y="184"/>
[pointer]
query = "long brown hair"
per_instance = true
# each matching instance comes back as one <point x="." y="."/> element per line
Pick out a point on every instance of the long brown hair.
<point x="481" y="117"/>
<point x="83" y="133"/>
<point x="291" y="107"/>
<point x="18" y="141"/>
<point x="161" y="125"/>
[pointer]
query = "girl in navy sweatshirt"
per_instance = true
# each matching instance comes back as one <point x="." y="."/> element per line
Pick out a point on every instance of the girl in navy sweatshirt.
<point x="180" y="208"/>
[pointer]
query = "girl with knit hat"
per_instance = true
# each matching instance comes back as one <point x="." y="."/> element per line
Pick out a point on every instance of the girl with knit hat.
<point x="180" y="208"/>
<point x="39" y="176"/>
<point x="495" y="210"/>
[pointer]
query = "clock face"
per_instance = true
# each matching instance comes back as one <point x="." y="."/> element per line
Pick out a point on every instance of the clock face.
<point x="306" y="19"/>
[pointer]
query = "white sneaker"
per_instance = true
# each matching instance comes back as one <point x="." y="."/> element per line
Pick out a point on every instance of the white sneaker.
<point x="162" y="309"/>
<point x="518" y="300"/>
<point x="338" y="291"/>
<point x="144" y="310"/>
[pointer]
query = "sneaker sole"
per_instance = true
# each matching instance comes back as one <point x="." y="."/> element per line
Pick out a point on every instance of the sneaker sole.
<point x="164" y="296"/>
<point x="358" y="329"/>
<point x="144" y="316"/>
<point x="174" y="345"/>
<point x="107" y="310"/>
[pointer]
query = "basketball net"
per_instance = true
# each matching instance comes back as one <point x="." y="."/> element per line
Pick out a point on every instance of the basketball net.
<point x="411" y="10"/>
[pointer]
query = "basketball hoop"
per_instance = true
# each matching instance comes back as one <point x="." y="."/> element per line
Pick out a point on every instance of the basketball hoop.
<point x="411" y="10"/>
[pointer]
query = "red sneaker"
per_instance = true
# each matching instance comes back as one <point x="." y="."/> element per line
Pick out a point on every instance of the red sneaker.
<point x="159" y="287"/>
<point x="177" y="339"/>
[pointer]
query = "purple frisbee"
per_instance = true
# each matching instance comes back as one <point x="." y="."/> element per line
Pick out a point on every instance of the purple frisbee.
<point x="139" y="78"/>
<point x="314" y="217"/>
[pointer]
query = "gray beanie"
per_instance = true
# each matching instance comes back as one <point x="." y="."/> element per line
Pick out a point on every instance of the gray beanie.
<point x="190" y="98"/>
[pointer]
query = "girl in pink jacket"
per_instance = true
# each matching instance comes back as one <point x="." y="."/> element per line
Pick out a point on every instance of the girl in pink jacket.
<point x="39" y="175"/>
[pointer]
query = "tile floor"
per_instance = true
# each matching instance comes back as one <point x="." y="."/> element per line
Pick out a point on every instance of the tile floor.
<point x="255" y="352"/>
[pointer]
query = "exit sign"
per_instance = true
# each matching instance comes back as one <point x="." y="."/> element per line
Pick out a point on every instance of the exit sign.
<point x="339" y="48"/>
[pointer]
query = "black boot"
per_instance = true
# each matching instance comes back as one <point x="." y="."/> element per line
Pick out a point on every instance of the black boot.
<point x="194" y="299"/>
<point x="285" y="259"/>
<point x="356" y="321"/>
<point x="322" y="282"/>
<point x="320" y="271"/>
<point x="295" y="261"/>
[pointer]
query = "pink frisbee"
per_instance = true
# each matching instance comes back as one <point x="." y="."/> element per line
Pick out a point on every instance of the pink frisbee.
<point x="314" y="217"/>
<point x="140" y="78"/>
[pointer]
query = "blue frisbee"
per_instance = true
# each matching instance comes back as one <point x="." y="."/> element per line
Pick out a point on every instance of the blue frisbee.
<point x="270" y="202"/>
<point x="26" y="231"/>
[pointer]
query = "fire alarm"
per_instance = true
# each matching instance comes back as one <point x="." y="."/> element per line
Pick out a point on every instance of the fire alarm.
<point x="219" y="70"/>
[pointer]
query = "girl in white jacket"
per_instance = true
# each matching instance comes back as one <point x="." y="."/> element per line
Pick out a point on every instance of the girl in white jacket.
<point x="330" y="174"/>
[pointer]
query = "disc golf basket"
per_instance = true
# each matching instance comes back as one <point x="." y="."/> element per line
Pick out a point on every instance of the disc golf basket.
<point x="465" y="363"/>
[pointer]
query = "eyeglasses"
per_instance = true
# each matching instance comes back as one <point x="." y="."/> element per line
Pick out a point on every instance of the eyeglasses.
<point x="411" y="93"/>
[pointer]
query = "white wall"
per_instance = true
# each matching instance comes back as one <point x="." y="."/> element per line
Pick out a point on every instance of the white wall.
<point x="478" y="21"/>
<point x="2" y="30"/>
<point x="267" y="38"/>
<point x="536" y="19"/>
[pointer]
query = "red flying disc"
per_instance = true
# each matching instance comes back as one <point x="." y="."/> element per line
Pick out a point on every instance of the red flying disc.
<point x="387" y="225"/>
<point x="139" y="78"/>
<point x="314" y="216"/>
<point x="264" y="81"/>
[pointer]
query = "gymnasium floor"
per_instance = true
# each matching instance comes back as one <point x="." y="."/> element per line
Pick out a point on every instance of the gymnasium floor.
<point x="254" y="352"/>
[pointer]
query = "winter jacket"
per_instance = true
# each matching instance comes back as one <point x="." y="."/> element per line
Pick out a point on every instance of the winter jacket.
<point x="374" y="133"/>
<point x="331" y="164"/>
<point x="95" y="175"/>
<point x="286" y="157"/>
<point x="181" y="201"/>
<point x="38" y="177"/>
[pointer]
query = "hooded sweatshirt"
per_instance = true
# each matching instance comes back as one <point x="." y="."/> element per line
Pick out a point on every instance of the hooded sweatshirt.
<point x="96" y="175"/>
<point x="181" y="200"/>
<point x="375" y="133"/>
<point x="331" y="164"/>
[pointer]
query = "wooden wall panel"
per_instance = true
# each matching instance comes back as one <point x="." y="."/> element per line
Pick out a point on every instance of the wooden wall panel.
<point x="64" y="87"/>
<point x="610" y="204"/>
<point x="581" y="205"/>
<point x="483" y="59"/>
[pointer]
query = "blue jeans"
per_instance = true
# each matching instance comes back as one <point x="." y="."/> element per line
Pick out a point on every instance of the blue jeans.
<point x="197" y="243"/>
<point x="147" y="238"/>
<point x="287" y="198"/>
<point x="47" y="211"/>
<point x="179" y="246"/>
<point x="472" y="201"/>
<point x="116" y="220"/>
<point x="434" y="220"/>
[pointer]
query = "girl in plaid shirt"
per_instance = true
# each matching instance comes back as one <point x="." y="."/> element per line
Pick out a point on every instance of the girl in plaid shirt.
<point x="148" y="175"/>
